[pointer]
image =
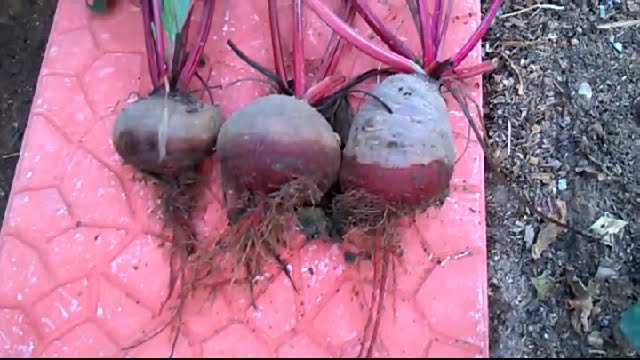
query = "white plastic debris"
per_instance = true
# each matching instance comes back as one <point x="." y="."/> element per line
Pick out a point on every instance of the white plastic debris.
<point x="562" y="184"/>
<point x="585" y="90"/>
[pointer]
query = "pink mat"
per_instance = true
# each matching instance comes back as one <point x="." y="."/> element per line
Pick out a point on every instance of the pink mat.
<point x="81" y="269"/>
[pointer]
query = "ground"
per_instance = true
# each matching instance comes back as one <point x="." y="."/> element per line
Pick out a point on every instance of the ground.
<point x="559" y="146"/>
<point x="559" y="138"/>
<point x="24" y="29"/>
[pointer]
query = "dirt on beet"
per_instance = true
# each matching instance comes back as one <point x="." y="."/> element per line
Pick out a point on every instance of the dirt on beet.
<point x="560" y="113"/>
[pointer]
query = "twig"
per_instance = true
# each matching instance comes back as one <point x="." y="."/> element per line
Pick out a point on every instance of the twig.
<point x="6" y="156"/>
<point x="508" y="137"/>
<point x="619" y="24"/>
<point x="533" y="7"/>
<point x="516" y="71"/>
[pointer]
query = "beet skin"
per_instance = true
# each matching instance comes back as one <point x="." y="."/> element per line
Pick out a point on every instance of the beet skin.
<point x="405" y="156"/>
<point x="276" y="139"/>
<point x="192" y="131"/>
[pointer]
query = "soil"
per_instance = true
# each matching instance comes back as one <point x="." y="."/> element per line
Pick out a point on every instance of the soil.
<point x="24" y="30"/>
<point x="560" y="146"/>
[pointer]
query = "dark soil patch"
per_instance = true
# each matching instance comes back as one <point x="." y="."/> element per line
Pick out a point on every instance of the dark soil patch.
<point x="24" y="30"/>
<point x="564" y="146"/>
<point x="557" y="136"/>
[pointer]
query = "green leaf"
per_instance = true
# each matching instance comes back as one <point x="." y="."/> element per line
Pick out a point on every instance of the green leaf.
<point x="174" y="15"/>
<point x="630" y="324"/>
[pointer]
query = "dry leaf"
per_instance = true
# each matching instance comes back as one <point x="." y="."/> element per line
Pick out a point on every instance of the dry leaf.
<point x="543" y="283"/>
<point x="547" y="235"/>
<point x="550" y="231"/>
<point x="583" y="302"/>
<point x="561" y="211"/>
<point x="584" y="306"/>
<point x="607" y="226"/>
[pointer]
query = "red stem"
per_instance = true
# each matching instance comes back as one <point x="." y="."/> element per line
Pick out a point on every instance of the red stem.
<point x="470" y="71"/>
<point x="189" y="68"/>
<point x="276" y="43"/>
<point x="428" y="51"/>
<point x="435" y="22"/>
<point x="386" y="35"/>
<point x="298" y="51"/>
<point x="326" y="86"/>
<point x="149" y="44"/>
<point x="335" y="46"/>
<point x="185" y="37"/>
<point x="162" y="68"/>
<point x="478" y="34"/>
<point x="442" y="30"/>
<point x="414" y="15"/>
<point x="391" y="59"/>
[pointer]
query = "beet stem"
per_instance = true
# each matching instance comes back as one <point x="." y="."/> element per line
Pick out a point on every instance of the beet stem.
<point x="443" y="28"/>
<point x="276" y="42"/>
<point x="435" y="22"/>
<point x="336" y="44"/>
<point x="471" y="71"/>
<point x="478" y="34"/>
<point x="149" y="43"/>
<point x="298" y="51"/>
<point x="319" y="91"/>
<point x="428" y="51"/>
<point x="349" y="34"/>
<point x="189" y="68"/>
<point x="157" y="8"/>
<point x="346" y="88"/>
<point x="413" y="8"/>
<point x="185" y="39"/>
<point x="282" y="87"/>
<point x="386" y="35"/>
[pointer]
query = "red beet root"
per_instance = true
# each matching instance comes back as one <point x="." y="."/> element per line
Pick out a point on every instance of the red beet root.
<point x="274" y="140"/>
<point x="400" y="153"/>
<point x="278" y="153"/>
<point x="405" y="156"/>
<point x="191" y="133"/>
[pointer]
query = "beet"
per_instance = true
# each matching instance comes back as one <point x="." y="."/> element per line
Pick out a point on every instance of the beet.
<point x="278" y="153"/>
<point x="399" y="156"/>
<point x="406" y="156"/>
<point x="191" y="135"/>
<point x="168" y="134"/>
<point x="276" y="139"/>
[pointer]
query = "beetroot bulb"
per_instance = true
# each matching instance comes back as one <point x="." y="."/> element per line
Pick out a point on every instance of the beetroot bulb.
<point x="399" y="156"/>
<point x="405" y="156"/>
<point x="169" y="131"/>
<point x="168" y="134"/>
<point x="278" y="152"/>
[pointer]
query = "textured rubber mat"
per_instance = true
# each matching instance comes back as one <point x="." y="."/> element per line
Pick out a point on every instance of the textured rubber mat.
<point x="82" y="268"/>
